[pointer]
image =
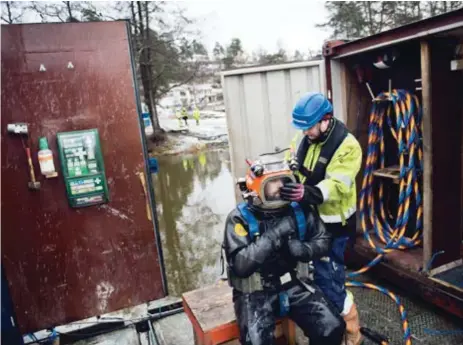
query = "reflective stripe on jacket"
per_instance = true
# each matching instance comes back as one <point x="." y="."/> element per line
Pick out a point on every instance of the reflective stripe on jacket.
<point x="338" y="187"/>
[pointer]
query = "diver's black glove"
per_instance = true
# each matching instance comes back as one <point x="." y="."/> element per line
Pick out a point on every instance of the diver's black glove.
<point x="299" y="250"/>
<point x="301" y="193"/>
<point x="248" y="259"/>
<point x="280" y="231"/>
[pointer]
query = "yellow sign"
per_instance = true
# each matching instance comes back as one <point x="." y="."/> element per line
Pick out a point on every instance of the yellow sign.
<point x="240" y="230"/>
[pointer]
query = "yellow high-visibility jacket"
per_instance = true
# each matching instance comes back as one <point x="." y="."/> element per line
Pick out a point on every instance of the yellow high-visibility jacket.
<point x="338" y="187"/>
<point x="196" y="114"/>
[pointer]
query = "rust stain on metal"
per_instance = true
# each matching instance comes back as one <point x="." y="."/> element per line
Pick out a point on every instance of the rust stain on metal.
<point x="67" y="264"/>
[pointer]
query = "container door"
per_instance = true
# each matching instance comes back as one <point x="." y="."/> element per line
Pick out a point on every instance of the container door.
<point x="63" y="263"/>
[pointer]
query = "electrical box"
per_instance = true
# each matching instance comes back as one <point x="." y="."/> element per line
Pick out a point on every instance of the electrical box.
<point x="83" y="167"/>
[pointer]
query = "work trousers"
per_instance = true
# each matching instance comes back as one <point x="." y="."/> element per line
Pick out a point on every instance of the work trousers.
<point x="329" y="271"/>
<point x="256" y="314"/>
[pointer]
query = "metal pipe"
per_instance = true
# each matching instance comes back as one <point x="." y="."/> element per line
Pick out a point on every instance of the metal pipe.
<point x="149" y="318"/>
<point x="151" y="333"/>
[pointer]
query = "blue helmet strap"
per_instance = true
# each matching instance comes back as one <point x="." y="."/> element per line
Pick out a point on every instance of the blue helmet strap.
<point x="253" y="227"/>
<point x="284" y="303"/>
<point x="253" y="224"/>
<point x="300" y="220"/>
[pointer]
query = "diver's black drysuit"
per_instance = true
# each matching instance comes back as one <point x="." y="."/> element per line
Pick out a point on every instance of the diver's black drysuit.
<point x="258" y="271"/>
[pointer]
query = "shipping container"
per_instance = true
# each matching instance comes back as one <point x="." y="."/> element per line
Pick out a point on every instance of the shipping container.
<point x="258" y="105"/>
<point x="84" y="242"/>
<point x="426" y="59"/>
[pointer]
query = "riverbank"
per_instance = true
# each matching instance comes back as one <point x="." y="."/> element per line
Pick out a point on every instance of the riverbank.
<point x="177" y="144"/>
<point x="211" y="133"/>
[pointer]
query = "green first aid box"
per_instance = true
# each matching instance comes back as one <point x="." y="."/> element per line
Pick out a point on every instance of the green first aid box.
<point x="83" y="167"/>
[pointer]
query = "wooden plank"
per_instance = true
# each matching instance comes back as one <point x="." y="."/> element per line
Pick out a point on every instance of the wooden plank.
<point x="212" y="315"/>
<point x="222" y="333"/>
<point x="427" y="151"/>
<point x="391" y="172"/>
<point x="283" y="328"/>
<point x="446" y="267"/>
<point x="197" y="331"/>
<point x="232" y="342"/>
<point x="289" y="330"/>
<point x="212" y="306"/>
<point x="446" y="109"/>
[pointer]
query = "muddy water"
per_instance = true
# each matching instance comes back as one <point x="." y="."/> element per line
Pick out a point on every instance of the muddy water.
<point x="194" y="194"/>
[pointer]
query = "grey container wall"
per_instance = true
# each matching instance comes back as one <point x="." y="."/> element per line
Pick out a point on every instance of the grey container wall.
<point x="258" y="104"/>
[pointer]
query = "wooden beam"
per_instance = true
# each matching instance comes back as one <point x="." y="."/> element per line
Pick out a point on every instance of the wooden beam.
<point x="392" y="172"/>
<point x="427" y="150"/>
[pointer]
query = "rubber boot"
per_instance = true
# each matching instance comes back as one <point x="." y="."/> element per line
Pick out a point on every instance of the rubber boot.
<point x="353" y="335"/>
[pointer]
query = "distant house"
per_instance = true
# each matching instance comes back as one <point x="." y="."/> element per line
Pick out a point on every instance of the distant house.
<point x="201" y="95"/>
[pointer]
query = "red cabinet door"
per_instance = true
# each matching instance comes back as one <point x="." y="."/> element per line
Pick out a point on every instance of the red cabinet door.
<point x="65" y="264"/>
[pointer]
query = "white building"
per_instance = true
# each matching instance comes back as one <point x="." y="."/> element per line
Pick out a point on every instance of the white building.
<point x="201" y="95"/>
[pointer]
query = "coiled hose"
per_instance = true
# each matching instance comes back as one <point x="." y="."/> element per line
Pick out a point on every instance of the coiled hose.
<point x="403" y="113"/>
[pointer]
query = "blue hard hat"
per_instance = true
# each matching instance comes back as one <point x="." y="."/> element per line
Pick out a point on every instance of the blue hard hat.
<point x="310" y="109"/>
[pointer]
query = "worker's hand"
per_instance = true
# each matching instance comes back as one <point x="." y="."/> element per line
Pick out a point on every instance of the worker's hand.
<point x="296" y="248"/>
<point x="280" y="231"/>
<point x="292" y="191"/>
<point x="285" y="227"/>
<point x="301" y="193"/>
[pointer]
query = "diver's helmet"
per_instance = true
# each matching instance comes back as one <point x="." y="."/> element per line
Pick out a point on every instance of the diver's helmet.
<point x="264" y="178"/>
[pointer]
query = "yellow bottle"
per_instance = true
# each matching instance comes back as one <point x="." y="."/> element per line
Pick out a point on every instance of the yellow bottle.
<point x="47" y="166"/>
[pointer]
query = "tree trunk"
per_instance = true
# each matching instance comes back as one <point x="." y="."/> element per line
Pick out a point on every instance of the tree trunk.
<point x="134" y="23"/>
<point x="155" y="116"/>
<point x="381" y="18"/>
<point x="10" y="19"/>
<point x="68" y="6"/>
<point x="149" y="71"/>
<point x="146" y="76"/>
<point x="432" y="9"/>
<point x="370" y="19"/>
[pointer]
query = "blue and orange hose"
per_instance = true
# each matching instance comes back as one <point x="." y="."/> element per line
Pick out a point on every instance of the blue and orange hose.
<point x="403" y="113"/>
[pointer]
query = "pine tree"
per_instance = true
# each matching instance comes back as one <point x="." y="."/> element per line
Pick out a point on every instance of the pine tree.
<point x="355" y="19"/>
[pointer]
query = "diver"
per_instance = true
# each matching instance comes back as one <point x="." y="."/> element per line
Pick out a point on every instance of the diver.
<point x="268" y="243"/>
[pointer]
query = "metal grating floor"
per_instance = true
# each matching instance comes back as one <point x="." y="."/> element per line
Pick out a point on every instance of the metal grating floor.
<point x="453" y="276"/>
<point x="428" y="325"/>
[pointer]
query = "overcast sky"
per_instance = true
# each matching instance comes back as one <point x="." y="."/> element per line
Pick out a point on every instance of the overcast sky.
<point x="261" y="23"/>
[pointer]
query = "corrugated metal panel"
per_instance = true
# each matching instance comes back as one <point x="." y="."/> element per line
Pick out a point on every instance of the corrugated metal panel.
<point x="258" y="104"/>
<point x="337" y="97"/>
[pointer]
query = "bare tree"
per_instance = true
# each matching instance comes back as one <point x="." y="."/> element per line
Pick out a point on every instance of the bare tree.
<point x="12" y="12"/>
<point x="355" y="19"/>
<point x="65" y="11"/>
<point x="163" y="43"/>
<point x="163" y="51"/>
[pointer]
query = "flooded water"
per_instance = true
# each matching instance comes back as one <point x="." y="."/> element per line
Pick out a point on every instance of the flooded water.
<point x="194" y="194"/>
